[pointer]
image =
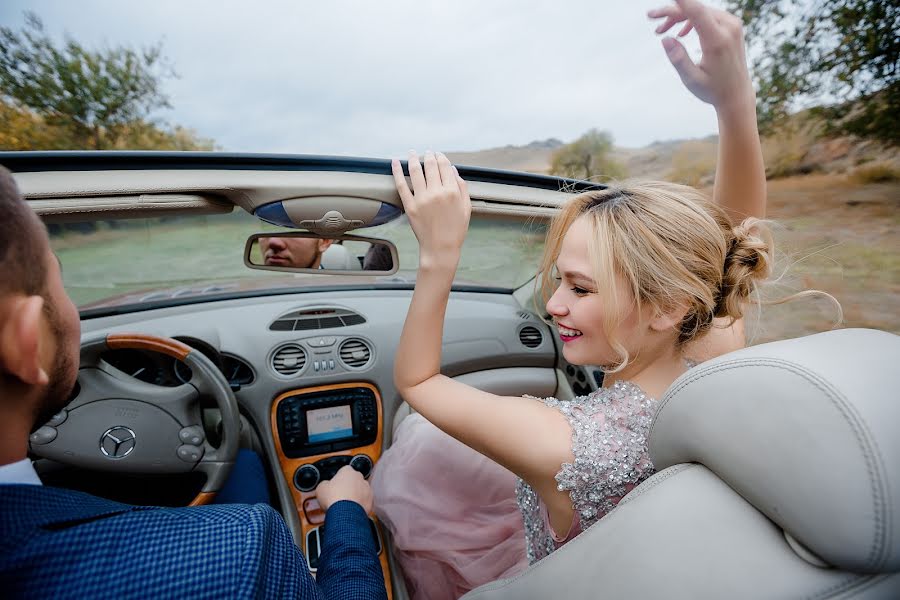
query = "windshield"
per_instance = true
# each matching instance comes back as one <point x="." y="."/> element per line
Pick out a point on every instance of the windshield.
<point x="133" y="262"/>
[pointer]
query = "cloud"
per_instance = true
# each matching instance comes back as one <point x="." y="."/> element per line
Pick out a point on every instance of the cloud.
<point x="364" y="78"/>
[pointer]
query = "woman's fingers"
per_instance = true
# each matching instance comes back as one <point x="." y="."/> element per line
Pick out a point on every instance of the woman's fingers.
<point x="689" y="72"/>
<point x="671" y="10"/>
<point x="686" y="29"/>
<point x="415" y="173"/>
<point x="700" y="14"/>
<point x="406" y="195"/>
<point x="448" y="177"/>
<point x="667" y="24"/>
<point x="463" y="190"/>
<point x="432" y="174"/>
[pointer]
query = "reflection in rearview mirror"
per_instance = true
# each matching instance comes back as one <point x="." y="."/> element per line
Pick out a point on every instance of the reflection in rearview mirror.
<point x="306" y="252"/>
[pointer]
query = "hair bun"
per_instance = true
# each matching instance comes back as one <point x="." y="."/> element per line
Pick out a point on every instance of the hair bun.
<point x="748" y="260"/>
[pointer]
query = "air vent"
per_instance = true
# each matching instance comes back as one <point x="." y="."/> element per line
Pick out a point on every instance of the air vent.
<point x="524" y="315"/>
<point x="530" y="336"/>
<point x="316" y="318"/>
<point x="289" y="360"/>
<point x="355" y="353"/>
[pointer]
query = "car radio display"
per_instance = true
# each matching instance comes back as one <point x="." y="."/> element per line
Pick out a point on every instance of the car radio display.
<point x="327" y="424"/>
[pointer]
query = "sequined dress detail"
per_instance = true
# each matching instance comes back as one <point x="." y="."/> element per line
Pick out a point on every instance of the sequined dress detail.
<point x="610" y="428"/>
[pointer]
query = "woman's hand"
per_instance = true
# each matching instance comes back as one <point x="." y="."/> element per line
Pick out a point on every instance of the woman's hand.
<point x="438" y="206"/>
<point x="721" y="77"/>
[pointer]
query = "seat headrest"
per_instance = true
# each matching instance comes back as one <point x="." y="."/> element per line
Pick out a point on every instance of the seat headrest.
<point x="338" y="258"/>
<point x="808" y="431"/>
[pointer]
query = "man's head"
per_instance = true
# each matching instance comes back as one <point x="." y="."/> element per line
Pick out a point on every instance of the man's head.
<point x="39" y="325"/>
<point x="305" y="253"/>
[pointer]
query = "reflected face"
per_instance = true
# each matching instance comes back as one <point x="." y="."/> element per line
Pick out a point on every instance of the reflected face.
<point x="580" y="311"/>
<point x="62" y="342"/>
<point x="304" y="253"/>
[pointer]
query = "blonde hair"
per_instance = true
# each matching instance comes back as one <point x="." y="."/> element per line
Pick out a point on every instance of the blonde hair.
<point x="673" y="247"/>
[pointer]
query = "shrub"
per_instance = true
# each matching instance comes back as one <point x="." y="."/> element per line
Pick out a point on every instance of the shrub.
<point x="879" y="172"/>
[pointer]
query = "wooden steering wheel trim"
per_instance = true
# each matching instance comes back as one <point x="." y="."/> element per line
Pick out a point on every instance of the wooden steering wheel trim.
<point x="173" y="348"/>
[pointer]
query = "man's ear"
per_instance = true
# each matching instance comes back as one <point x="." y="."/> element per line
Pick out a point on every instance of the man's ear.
<point x="665" y="320"/>
<point x="20" y="339"/>
<point x="324" y="244"/>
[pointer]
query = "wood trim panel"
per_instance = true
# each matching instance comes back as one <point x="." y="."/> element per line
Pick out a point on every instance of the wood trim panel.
<point x="290" y="465"/>
<point x="203" y="498"/>
<point x="168" y="346"/>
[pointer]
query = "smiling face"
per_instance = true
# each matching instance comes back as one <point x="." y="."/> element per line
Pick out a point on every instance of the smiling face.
<point x="305" y="253"/>
<point x="583" y="311"/>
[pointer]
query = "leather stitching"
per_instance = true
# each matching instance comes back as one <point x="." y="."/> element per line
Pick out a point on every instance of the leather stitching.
<point x="578" y="540"/>
<point x="879" y="549"/>
<point x="653" y="481"/>
<point x="855" y="584"/>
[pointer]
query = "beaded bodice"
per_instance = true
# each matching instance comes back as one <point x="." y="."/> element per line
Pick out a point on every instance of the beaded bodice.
<point x="609" y="442"/>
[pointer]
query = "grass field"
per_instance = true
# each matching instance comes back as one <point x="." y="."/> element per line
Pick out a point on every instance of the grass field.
<point x="833" y="235"/>
<point x="134" y="255"/>
<point x="839" y="237"/>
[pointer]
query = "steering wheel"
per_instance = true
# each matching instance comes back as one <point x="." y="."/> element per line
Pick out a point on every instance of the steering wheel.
<point x="125" y="425"/>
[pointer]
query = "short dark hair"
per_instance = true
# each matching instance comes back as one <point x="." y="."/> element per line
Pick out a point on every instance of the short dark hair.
<point x="23" y="242"/>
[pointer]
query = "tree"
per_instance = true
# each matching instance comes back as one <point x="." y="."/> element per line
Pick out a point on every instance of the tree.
<point x="588" y="157"/>
<point x="94" y="95"/>
<point x="844" y="54"/>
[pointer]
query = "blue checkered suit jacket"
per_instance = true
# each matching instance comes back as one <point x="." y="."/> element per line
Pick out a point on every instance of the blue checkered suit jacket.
<point x="57" y="543"/>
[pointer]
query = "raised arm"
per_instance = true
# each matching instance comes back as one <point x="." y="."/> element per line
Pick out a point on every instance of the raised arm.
<point x="533" y="440"/>
<point x="721" y="78"/>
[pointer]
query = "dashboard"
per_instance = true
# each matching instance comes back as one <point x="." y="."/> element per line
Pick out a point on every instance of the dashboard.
<point x="151" y="367"/>
<point x="313" y="373"/>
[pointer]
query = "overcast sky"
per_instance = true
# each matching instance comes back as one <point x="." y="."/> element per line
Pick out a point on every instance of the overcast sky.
<point x="377" y="78"/>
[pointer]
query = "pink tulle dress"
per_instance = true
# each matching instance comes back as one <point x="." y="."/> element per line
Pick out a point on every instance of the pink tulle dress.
<point x="460" y="520"/>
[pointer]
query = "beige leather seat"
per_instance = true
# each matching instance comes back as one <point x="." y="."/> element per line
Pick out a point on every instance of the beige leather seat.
<point x="779" y="477"/>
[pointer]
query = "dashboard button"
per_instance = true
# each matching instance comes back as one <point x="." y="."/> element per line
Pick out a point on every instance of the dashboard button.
<point x="306" y="478"/>
<point x="362" y="463"/>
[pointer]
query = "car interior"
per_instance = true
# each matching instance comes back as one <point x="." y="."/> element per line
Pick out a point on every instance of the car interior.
<point x="787" y="486"/>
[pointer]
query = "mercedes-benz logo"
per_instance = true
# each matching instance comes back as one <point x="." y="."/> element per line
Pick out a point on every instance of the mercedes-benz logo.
<point x="117" y="442"/>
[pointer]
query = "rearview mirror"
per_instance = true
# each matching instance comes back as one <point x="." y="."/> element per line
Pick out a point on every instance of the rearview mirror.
<point x="303" y="252"/>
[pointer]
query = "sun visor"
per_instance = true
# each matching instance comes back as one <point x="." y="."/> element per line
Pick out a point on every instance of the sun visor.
<point x="327" y="214"/>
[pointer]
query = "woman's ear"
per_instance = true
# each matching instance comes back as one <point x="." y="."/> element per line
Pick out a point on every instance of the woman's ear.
<point x="20" y="339"/>
<point x="665" y="320"/>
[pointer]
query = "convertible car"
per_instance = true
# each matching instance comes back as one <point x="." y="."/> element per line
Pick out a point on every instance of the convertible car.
<point x="779" y="465"/>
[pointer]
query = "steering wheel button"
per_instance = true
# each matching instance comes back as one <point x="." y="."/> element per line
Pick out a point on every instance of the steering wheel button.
<point x="58" y="419"/>
<point x="189" y="453"/>
<point x="44" y="435"/>
<point x="192" y="435"/>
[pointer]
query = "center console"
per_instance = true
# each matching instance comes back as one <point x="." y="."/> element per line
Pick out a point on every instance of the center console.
<point x="317" y="431"/>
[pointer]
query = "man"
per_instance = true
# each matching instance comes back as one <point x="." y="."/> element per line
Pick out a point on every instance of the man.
<point x="61" y="543"/>
<point x="305" y="253"/>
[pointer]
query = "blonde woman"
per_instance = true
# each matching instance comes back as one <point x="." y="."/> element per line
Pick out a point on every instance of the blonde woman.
<point x="638" y="274"/>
